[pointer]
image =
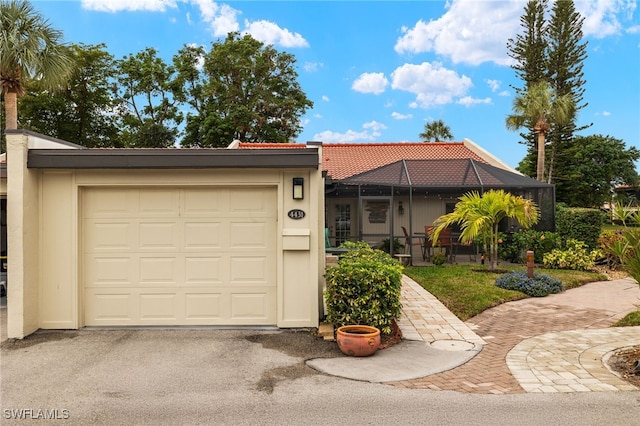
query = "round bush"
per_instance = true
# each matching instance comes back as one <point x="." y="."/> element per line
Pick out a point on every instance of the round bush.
<point x="538" y="286"/>
<point x="364" y="288"/>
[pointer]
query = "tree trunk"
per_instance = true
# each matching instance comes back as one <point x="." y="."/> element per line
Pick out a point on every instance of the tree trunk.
<point x="540" y="164"/>
<point x="11" y="110"/>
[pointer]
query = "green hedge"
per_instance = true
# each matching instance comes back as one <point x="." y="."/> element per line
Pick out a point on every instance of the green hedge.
<point x="580" y="224"/>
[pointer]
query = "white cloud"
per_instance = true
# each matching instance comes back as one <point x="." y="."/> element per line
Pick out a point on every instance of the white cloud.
<point x="432" y="83"/>
<point x="468" y="101"/>
<point x="348" y="136"/>
<point x="494" y="85"/>
<point x="312" y="66"/>
<point x="374" y="125"/>
<point x="371" y="132"/>
<point x="635" y="29"/>
<point x="602" y="18"/>
<point x="470" y="31"/>
<point x="317" y="116"/>
<point x="504" y="93"/>
<point x="128" y="5"/>
<point x="325" y="98"/>
<point x="370" y="83"/>
<point x="604" y="113"/>
<point x="398" y="116"/>
<point x="224" y="19"/>
<point x="221" y="19"/>
<point x="270" y="33"/>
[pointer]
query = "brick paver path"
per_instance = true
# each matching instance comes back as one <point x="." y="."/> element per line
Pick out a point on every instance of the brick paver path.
<point x="502" y="328"/>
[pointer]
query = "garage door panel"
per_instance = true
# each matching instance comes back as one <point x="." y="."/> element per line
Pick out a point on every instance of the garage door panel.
<point x="108" y="235"/>
<point x="110" y="202"/>
<point x="203" y="235"/>
<point x="204" y="306"/>
<point x="159" y="202"/>
<point x="179" y="256"/>
<point x="249" y="270"/>
<point x="158" y="306"/>
<point x="109" y="308"/>
<point x="250" y="306"/>
<point x="203" y="202"/>
<point x="204" y="270"/>
<point x="253" y="235"/>
<point x="159" y="270"/>
<point x="112" y="270"/>
<point x="251" y="202"/>
<point x="158" y="235"/>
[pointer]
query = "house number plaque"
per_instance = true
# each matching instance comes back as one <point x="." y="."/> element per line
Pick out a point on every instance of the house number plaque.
<point x="296" y="214"/>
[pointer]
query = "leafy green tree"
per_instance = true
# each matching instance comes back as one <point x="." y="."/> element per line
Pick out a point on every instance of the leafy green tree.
<point x="83" y="113"/>
<point x="480" y="215"/>
<point x="29" y="49"/>
<point x="436" y="130"/>
<point x="597" y="164"/>
<point x="150" y="115"/>
<point x="540" y="105"/>
<point x="247" y="91"/>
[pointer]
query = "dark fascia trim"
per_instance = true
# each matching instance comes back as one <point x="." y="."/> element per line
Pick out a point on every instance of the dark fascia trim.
<point x="123" y="158"/>
<point x="3" y="170"/>
<point x="41" y="136"/>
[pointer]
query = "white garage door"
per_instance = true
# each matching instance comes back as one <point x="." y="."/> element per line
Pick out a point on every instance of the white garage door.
<point x="179" y="256"/>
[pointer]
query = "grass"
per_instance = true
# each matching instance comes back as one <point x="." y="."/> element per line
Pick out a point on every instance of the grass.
<point x="630" y="320"/>
<point x="467" y="292"/>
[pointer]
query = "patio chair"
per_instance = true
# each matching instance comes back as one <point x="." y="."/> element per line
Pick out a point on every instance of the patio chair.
<point x="408" y="242"/>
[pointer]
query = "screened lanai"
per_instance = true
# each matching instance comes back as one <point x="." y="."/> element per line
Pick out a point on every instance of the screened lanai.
<point x="411" y="194"/>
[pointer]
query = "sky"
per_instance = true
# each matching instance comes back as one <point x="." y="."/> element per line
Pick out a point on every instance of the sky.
<point x="378" y="71"/>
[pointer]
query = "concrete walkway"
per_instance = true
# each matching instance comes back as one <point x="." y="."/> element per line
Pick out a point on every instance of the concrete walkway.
<point x="557" y="343"/>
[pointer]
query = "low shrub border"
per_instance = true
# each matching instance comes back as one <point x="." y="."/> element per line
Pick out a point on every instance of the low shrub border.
<point x="539" y="286"/>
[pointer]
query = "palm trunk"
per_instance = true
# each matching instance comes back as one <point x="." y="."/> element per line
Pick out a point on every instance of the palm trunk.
<point x="540" y="164"/>
<point x="494" y="248"/>
<point x="11" y="109"/>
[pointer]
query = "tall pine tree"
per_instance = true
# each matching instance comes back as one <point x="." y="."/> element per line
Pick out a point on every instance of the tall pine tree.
<point x="529" y="51"/>
<point x="567" y="53"/>
<point x="552" y="51"/>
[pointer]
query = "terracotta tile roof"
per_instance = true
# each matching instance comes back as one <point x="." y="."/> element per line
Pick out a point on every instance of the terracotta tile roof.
<point x="344" y="160"/>
<point x="341" y="160"/>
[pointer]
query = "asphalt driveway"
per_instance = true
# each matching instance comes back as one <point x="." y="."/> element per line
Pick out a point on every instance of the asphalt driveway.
<point x="92" y="370"/>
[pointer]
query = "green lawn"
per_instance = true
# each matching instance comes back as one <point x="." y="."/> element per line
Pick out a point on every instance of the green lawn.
<point x="466" y="291"/>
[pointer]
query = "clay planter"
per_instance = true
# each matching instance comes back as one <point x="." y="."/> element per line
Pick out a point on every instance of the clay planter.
<point x="358" y="340"/>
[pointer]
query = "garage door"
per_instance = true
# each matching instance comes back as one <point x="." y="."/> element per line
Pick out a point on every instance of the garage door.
<point x="179" y="256"/>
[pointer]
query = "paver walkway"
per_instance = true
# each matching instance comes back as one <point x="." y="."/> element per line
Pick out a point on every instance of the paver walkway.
<point x="594" y="306"/>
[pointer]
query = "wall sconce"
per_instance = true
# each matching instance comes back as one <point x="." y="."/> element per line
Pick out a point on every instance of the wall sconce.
<point x="400" y="208"/>
<point x="298" y="188"/>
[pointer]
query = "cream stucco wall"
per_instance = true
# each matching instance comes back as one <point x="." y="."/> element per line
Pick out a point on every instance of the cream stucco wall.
<point x="44" y="239"/>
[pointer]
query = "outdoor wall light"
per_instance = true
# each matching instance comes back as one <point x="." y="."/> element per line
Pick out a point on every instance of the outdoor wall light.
<point x="298" y="188"/>
<point x="400" y="208"/>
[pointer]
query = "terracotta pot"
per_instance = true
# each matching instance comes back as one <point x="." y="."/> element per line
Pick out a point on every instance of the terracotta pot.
<point x="358" y="340"/>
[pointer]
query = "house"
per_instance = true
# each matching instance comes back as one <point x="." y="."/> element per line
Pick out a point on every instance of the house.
<point x="373" y="190"/>
<point x="162" y="237"/>
<point x="213" y="237"/>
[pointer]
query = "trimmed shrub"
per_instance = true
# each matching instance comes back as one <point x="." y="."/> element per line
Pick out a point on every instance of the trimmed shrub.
<point x="538" y="286"/>
<point x="580" y="224"/>
<point x="364" y="288"/>
<point x="575" y="255"/>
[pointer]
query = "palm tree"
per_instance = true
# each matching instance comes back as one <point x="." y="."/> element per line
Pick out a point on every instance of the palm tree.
<point x="543" y="107"/>
<point x="481" y="215"/>
<point x="436" y="130"/>
<point x="29" y="50"/>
